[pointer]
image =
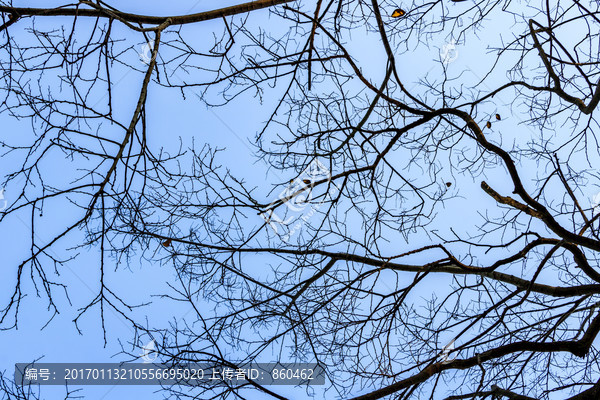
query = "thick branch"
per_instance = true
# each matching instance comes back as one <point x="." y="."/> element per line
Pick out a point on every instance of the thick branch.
<point x="139" y="18"/>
